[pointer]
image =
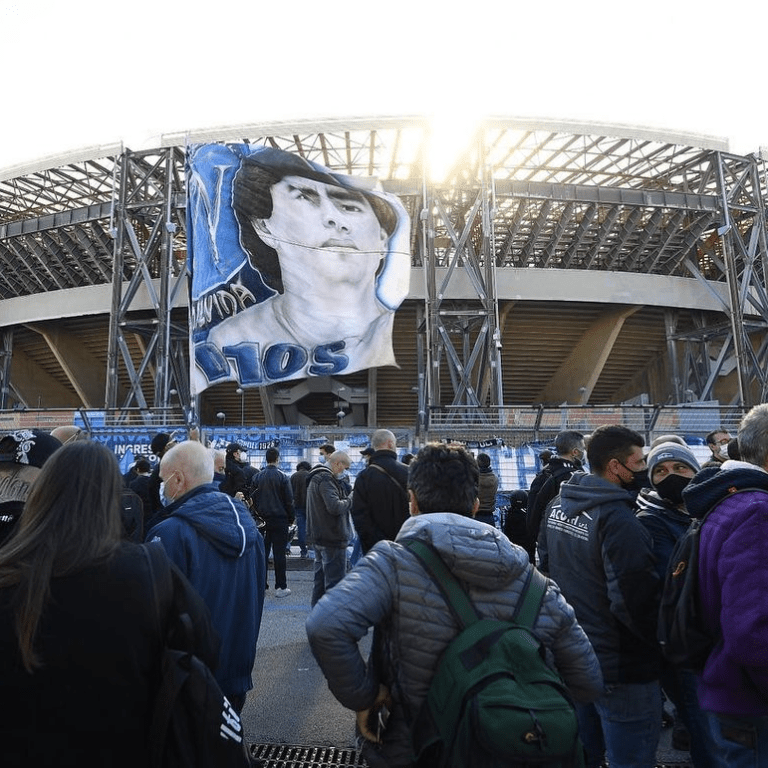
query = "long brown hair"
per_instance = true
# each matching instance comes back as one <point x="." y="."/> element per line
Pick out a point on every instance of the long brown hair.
<point x="71" y="520"/>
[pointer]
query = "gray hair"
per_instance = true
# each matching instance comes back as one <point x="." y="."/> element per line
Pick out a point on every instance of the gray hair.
<point x="753" y="436"/>
<point x="381" y="438"/>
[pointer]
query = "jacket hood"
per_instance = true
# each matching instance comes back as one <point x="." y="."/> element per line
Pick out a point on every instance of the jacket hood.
<point x="713" y="484"/>
<point x="317" y="470"/>
<point x="214" y="515"/>
<point x="476" y="553"/>
<point x="584" y="491"/>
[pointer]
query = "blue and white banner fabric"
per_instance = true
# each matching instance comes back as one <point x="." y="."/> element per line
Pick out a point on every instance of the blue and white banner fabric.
<point x="297" y="270"/>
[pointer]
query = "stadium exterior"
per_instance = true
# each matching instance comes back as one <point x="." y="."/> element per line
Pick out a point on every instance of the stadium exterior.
<point x="562" y="274"/>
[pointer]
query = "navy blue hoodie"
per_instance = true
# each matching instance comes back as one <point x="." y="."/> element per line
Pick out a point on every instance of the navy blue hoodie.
<point x="215" y="543"/>
<point x="602" y="559"/>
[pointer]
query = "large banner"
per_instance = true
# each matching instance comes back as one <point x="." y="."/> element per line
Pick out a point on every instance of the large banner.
<point x="296" y="270"/>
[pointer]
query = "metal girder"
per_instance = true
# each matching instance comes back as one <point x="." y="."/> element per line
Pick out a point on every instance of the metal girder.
<point x="463" y="338"/>
<point x="582" y="193"/>
<point x="744" y="245"/>
<point x="6" y="352"/>
<point x="526" y="194"/>
<point x="147" y="227"/>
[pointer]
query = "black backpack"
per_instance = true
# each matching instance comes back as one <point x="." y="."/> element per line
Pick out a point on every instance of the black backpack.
<point x="193" y="723"/>
<point x="682" y="633"/>
<point x="493" y="701"/>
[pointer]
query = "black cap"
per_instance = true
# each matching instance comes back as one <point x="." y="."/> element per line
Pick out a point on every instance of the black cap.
<point x="28" y="447"/>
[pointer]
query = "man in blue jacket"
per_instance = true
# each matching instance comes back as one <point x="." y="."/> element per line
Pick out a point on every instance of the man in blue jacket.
<point x="214" y="541"/>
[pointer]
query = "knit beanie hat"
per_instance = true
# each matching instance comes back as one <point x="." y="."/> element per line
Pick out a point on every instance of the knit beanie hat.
<point x="670" y="452"/>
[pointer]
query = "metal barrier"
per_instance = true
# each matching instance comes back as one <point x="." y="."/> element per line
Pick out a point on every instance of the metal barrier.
<point x="519" y="425"/>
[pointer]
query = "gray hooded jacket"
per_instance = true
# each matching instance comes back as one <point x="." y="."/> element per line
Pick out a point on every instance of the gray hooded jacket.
<point x="389" y="587"/>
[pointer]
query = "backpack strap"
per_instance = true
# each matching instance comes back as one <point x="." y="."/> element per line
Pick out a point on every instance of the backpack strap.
<point x="526" y="610"/>
<point x="529" y="605"/>
<point x="454" y="594"/>
<point x="725" y="498"/>
<point x="162" y="585"/>
<point x="384" y="471"/>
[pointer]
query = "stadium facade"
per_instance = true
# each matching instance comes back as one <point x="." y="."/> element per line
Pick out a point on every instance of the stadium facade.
<point x="556" y="267"/>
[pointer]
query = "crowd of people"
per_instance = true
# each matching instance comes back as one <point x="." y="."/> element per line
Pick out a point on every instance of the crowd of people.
<point x="600" y="521"/>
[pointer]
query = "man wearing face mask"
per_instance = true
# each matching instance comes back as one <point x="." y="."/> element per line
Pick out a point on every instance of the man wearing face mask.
<point x="602" y="558"/>
<point x="569" y="445"/>
<point x="329" y="527"/>
<point x="717" y="442"/>
<point x="662" y="512"/>
<point x="214" y="541"/>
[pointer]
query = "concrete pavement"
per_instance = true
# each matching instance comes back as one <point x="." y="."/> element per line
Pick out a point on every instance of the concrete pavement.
<point x="290" y="702"/>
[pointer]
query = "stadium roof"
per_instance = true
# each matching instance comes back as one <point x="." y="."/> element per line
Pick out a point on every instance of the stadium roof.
<point x="569" y="195"/>
<point x="560" y="196"/>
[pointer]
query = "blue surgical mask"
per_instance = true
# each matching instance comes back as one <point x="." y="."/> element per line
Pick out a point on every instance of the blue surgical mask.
<point x="322" y="458"/>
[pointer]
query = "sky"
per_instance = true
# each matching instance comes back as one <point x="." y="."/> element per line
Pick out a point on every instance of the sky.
<point x="83" y="73"/>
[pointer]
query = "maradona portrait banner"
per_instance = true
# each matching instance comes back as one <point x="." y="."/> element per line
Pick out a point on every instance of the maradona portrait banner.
<point x="296" y="270"/>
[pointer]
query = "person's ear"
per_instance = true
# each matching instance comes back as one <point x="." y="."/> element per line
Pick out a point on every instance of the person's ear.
<point x="261" y="227"/>
<point x="414" y="505"/>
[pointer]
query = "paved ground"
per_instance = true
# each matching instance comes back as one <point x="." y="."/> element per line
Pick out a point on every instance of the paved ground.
<point x="290" y="703"/>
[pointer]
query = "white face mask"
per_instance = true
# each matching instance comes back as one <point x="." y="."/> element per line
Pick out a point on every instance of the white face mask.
<point x="166" y="500"/>
<point x="724" y="451"/>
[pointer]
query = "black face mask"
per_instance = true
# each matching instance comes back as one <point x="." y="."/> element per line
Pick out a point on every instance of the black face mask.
<point x="638" y="482"/>
<point x="671" y="488"/>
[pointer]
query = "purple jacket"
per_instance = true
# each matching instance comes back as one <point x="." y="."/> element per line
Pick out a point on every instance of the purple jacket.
<point x="733" y="584"/>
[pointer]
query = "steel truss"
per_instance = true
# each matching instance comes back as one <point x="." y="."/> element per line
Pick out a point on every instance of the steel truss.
<point x="149" y="255"/>
<point x="523" y="196"/>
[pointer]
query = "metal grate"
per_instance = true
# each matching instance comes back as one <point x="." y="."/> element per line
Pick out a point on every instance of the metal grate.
<point x="288" y="756"/>
<point x="285" y="756"/>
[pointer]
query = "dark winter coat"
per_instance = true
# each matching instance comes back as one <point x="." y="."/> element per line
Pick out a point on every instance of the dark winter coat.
<point x="90" y="703"/>
<point x="380" y="503"/>
<point x="272" y="496"/>
<point x="664" y="522"/>
<point x="557" y="471"/>
<point x="299" y="481"/>
<point x="215" y="543"/>
<point x="328" y="507"/>
<point x="602" y="558"/>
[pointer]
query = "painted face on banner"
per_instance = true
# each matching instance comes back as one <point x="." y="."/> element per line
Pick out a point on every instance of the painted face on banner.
<point x="329" y="225"/>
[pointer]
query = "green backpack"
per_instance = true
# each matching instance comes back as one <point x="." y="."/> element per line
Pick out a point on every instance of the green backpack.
<point x="493" y="701"/>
